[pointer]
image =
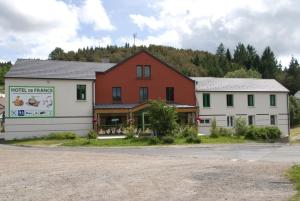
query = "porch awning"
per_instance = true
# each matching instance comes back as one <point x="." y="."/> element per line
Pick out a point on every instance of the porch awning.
<point x="126" y="108"/>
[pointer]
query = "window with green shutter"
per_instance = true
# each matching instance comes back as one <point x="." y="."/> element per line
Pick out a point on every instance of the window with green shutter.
<point x="206" y="100"/>
<point x="251" y="100"/>
<point x="272" y="100"/>
<point x="229" y="98"/>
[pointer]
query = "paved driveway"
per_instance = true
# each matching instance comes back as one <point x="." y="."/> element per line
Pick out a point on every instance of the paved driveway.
<point x="205" y="172"/>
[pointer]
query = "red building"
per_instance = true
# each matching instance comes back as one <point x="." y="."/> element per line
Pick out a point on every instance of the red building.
<point x="122" y="92"/>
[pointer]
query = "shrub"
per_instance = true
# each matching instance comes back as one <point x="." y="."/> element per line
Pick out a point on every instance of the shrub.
<point x="168" y="140"/>
<point x="61" y="136"/>
<point x="193" y="139"/>
<point x="240" y="126"/>
<point x="162" y="118"/>
<point x="214" y="130"/>
<point x="225" y="132"/>
<point x="188" y="131"/>
<point x="129" y="132"/>
<point x="92" y="135"/>
<point x="263" y="133"/>
<point x="153" y="141"/>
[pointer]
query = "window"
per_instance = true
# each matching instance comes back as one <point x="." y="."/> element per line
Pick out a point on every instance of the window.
<point x="250" y="100"/>
<point x="206" y="100"/>
<point x="272" y="100"/>
<point x="143" y="94"/>
<point x="273" y="120"/>
<point x="204" y="121"/>
<point x="147" y="72"/>
<point x="251" y="120"/>
<point x="81" y="92"/>
<point x="116" y="94"/>
<point x="230" y="121"/>
<point x="170" y="94"/>
<point x="229" y="98"/>
<point x="139" y="72"/>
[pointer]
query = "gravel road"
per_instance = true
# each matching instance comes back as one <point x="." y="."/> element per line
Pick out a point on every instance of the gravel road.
<point x="108" y="174"/>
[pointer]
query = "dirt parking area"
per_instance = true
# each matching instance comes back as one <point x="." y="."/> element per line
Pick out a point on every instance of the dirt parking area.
<point x="46" y="174"/>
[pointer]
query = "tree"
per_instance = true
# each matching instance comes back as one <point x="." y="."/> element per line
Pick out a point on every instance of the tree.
<point x="242" y="73"/>
<point x="57" y="54"/>
<point x="268" y="67"/>
<point x="240" y="55"/>
<point x="228" y="55"/>
<point x="294" y="107"/>
<point x="221" y="51"/>
<point x="163" y="118"/>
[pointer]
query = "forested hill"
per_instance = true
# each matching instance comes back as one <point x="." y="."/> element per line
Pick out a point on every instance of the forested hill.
<point x="244" y="61"/>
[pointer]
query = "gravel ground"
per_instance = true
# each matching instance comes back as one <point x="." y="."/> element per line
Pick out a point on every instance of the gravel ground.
<point x="45" y="174"/>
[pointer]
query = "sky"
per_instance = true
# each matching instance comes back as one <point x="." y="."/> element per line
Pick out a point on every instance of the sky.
<point x="33" y="28"/>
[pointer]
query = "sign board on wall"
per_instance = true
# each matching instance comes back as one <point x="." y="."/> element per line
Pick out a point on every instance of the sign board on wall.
<point x="33" y="101"/>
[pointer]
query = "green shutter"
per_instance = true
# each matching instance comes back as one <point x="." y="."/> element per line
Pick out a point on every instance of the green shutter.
<point x="272" y="100"/>
<point x="206" y="100"/>
<point x="251" y="100"/>
<point x="229" y="98"/>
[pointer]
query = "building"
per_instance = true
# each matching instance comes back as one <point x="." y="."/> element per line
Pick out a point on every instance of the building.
<point x="262" y="102"/>
<point x="297" y="95"/>
<point x="50" y="96"/>
<point x="45" y="96"/>
<point x="123" y="91"/>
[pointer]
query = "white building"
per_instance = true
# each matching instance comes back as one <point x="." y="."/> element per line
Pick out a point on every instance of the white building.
<point x="49" y="96"/>
<point x="297" y="94"/>
<point x="262" y="102"/>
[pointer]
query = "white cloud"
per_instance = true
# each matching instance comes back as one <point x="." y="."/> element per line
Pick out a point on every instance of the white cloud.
<point x="33" y="28"/>
<point x="143" y="21"/>
<point x="94" y="13"/>
<point x="202" y="24"/>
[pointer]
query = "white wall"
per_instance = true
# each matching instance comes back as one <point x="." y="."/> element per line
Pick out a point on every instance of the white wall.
<point x="261" y="110"/>
<point x="70" y="114"/>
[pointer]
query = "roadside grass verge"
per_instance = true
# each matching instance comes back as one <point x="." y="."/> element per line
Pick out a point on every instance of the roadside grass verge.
<point x="82" y="141"/>
<point x="294" y="133"/>
<point x="294" y="175"/>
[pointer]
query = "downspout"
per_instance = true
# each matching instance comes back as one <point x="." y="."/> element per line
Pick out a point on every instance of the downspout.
<point x="93" y="105"/>
<point x="288" y="112"/>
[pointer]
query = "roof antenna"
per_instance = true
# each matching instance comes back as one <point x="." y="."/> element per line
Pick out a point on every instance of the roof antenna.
<point x="134" y="37"/>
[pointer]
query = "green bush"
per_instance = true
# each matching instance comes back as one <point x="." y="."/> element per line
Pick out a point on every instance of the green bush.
<point x="263" y="133"/>
<point x="168" y="140"/>
<point x="153" y="141"/>
<point x="214" y="130"/>
<point x="92" y="135"/>
<point x="225" y="132"/>
<point x="61" y="136"/>
<point x="188" y="131"/>
<point x="162" y="118"/>
<point x="193" y="139"/>
<point x="240" y="126"/>
<point x="129" y="132"/>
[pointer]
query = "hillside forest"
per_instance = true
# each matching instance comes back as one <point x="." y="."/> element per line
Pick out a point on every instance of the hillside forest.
<point x="242" y="62"/>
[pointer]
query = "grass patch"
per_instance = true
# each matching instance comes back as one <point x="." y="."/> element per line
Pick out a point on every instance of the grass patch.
<point x="294" y="175"/>
<point x="295" y="131"/>
<point x="81" y="141"/>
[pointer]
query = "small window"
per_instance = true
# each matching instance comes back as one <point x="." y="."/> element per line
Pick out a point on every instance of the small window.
<point x="81" y="92"/>
<point x="251" y="120"/>
<point x="116" y="94"/>
<point x="204" y="121"/>
<point x="229" y="98"/>
<point x="207" y="121"/>
<point x="170" y="94"/>
<point x="272" y="100"/>
<point x="206" y="100"/>
<point x="147" y="72"/>
<point x="273" y="120"/>
<point x="250" y="100"/>
<point x="143" y="94"/>
<point x="229" y="121"/>
<point x="139" y="72"/>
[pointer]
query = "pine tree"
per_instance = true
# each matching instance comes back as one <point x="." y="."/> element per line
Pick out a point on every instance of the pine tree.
<point x="268" y="67"/>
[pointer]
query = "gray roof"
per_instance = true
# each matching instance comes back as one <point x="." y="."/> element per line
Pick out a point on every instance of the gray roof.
<point x="297" y="94"/>
<point x="237" y="84"/>
<point x="130" y="106"/>
<point x="52" y="69"/>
